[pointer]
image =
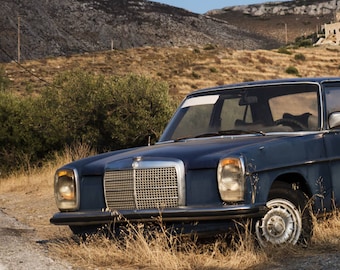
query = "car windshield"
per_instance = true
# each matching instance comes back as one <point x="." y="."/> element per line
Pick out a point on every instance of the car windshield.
<point x="257" y="109"/>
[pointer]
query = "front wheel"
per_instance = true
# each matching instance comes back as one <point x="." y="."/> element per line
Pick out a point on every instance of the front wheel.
<point x="288" y="220"/>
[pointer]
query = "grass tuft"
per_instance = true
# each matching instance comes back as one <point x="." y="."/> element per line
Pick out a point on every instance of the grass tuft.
<point x="142" y="248"/>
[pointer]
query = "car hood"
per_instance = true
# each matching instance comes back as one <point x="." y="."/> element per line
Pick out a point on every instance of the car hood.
<point x="195" y="153"/>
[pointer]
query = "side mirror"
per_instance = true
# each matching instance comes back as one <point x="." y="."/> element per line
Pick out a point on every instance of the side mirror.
<point x="334" y="120"/>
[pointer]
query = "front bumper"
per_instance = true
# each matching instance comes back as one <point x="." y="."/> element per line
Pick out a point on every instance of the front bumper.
<point x="183" y="214"/>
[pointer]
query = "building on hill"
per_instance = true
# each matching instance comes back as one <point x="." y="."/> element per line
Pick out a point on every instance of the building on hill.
<point x="332" y="31"/>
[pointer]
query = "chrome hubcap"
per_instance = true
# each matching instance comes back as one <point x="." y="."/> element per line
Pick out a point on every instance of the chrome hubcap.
<point x="281" y="224"/>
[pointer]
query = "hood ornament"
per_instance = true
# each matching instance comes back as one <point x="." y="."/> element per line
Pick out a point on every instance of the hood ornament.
<point x="136" y="161"/>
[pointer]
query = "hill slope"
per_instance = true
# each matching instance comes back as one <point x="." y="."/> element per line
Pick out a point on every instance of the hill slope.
<point x="65" y="27"/>
<point x="185" y="68"/>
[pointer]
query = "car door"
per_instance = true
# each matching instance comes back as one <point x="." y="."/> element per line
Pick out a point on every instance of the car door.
<point x="332" y="138"/>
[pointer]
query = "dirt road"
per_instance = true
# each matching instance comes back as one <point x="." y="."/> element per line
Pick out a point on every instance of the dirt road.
<point x="18" y="250"/>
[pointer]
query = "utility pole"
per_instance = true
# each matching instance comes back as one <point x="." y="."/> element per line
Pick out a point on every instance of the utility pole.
<point x="286" y="33"/>
<point x="18" y="39"/>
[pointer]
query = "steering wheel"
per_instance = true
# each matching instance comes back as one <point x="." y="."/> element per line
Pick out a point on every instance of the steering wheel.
<point x="296" y="125"/>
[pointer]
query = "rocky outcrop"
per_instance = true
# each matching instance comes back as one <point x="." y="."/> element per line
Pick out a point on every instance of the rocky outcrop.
<point x="318" y="8"/>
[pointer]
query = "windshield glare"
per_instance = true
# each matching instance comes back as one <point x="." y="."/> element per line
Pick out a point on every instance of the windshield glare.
<point x="275" y="108"/>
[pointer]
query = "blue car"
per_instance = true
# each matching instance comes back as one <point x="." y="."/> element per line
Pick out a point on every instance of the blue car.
<point x="268" y="151"/>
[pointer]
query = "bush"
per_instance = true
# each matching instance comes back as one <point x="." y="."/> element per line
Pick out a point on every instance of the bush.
<point x="305" y="41"/>
<point x="18" y="141"/>
<point x="284" y="50"/>
<point x="4" y="80"/>
<point x="195" y="75"/>
<point x="209" y="47"/>
<point x="292" y="70"/>
<point x="139" y="108"/>
<point x="300" y="57"/>
<point x="105" y="113"/>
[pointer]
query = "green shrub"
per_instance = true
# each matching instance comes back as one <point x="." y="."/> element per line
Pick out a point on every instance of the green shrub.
<point x="4" y="80"/>
<point x="140" y="107"/>
<point x="195" y="75"/>
<point x="292" y="70"/>
<point x="105" y="113"/>
<point x="300" y="57"/>
<point x="18" y="141"/>
<point x="209" y="47"/>
<point x="283" y="50"/>
<point x="196" y="50"/>
<point x="305" y="41"/>
<point x="110" y="113"/>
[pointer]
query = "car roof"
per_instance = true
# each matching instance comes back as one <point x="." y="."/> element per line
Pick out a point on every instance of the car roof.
<point x="317" y="80"/>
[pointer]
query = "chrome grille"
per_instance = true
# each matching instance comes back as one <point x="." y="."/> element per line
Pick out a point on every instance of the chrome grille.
<point x="141" y="188"/>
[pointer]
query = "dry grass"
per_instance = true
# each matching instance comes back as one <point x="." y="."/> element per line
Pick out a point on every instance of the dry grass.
<point x="327" y="231"/>
<point x="184" y="69"/>
<point x="140" y="249"/>
<point x="29" y="197"/>
<point x="42" y="177"/>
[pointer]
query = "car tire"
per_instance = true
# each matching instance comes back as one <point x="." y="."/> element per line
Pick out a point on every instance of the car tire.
<point x="83" y="231"/>
<point x="289" y="218"/>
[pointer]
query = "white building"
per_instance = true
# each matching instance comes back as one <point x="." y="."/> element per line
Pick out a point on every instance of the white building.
<point x="332" y="31"/>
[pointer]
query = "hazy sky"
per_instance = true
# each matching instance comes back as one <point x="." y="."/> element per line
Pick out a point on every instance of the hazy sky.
<point x="202" y="6"/>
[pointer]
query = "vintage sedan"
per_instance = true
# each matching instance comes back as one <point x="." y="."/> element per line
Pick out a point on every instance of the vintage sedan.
<point x="268" y="151"/>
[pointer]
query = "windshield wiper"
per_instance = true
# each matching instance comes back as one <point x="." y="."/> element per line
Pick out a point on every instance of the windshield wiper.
<point x="221" y="133"/>
<point x="240" y="132"/>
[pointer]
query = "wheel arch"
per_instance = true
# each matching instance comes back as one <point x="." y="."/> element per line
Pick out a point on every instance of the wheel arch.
<point x="295" y="180"/>
<point x="289" y="217"/>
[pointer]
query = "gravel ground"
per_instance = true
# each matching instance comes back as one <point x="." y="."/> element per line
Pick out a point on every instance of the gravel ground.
<point x="22" y="242"/>
<point x="309" y="262"/>
<point x="19" y="251"/>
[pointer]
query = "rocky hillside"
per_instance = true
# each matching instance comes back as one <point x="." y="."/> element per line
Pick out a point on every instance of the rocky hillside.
<point x="65" y="27"/>
<point x="282" y="21"/>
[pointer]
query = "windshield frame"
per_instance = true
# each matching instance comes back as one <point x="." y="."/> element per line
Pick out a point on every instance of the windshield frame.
<point x="304" y="86"/>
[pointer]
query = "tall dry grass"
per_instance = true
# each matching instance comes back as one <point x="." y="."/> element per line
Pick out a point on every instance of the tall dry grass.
<point x="141" y="249"/>
<point x="327" y="231"/>
<point x="42" y="176"/>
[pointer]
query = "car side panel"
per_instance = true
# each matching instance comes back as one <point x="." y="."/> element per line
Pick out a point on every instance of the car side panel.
<point x="300" y="159"/>
<point x="332" y="142"/>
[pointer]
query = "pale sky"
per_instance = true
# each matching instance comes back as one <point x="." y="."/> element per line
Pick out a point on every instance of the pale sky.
<point x="202" y="6"/>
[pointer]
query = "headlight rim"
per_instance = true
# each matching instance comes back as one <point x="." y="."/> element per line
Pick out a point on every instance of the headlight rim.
<point x="226" y="195"/>
<point x="71" y="204"/>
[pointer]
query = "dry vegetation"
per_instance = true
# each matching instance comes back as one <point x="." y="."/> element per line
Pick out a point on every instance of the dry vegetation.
<point x="185" y="69"/>
<point x="29" y="195"/>
<point x="29" y="198"/>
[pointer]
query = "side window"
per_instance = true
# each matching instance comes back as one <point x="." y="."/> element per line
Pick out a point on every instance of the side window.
<point x="332" y="99"/>
<point x="295" y="104"/>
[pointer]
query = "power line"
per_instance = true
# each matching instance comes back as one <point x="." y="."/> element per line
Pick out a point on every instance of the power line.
<point x="24" y="68"/>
